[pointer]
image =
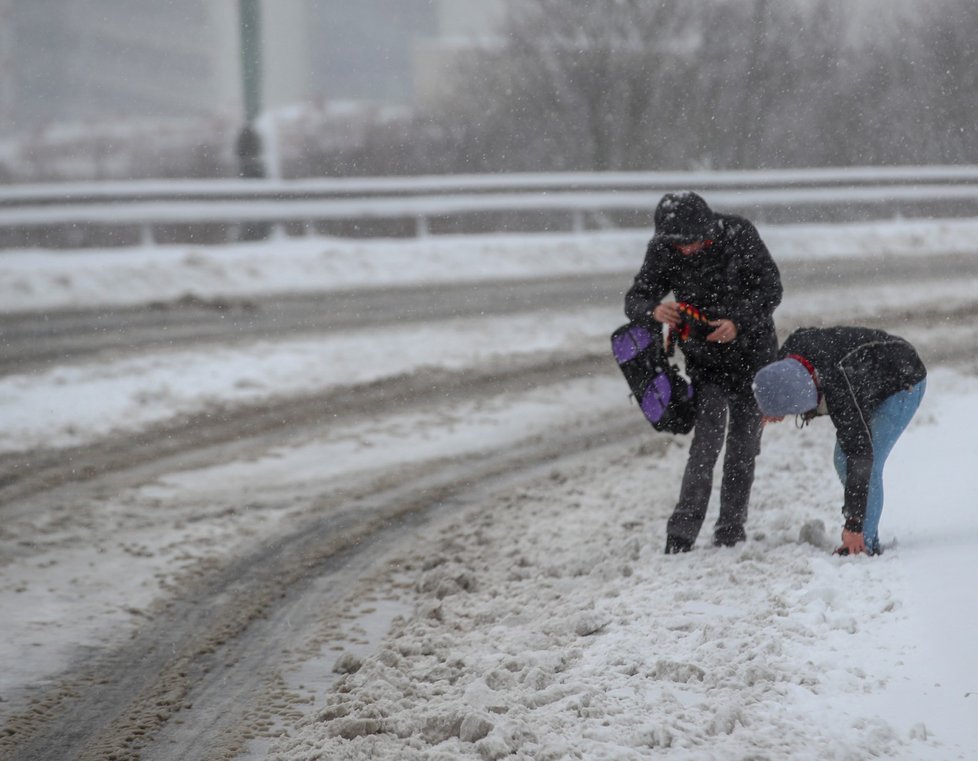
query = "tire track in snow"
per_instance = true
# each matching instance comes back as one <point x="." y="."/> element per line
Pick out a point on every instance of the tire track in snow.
<point x="223" y="653"/>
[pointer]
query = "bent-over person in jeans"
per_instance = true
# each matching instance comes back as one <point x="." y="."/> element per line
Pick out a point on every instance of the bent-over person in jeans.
<point x="870" y="384"/>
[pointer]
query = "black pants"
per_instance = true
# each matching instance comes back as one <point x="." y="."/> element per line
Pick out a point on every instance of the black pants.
<point x="743" y="445"/>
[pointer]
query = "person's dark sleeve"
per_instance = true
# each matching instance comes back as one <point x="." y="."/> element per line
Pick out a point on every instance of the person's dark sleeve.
<point x="650" y="287"/>
<point x="791" y="345"/>
<point x="859" y="468"/>
<point x="759" y="279"/>
<point x="856" y="442"/>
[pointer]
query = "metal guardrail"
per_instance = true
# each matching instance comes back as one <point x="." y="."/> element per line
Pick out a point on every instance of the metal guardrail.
<point x="124" y="212"/>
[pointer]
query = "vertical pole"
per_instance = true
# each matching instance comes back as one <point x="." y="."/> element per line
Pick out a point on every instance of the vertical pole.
<point x="249" y="146"/>
<point x="7" y="43"/>
<point x="250" y="18"/>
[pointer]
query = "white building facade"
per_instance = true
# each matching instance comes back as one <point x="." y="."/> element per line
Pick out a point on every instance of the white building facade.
<point x="71" y="61"/>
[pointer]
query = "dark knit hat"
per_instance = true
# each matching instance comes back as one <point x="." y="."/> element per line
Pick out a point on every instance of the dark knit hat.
<point x="684" y="218"/>
<point x="784" y="388"/>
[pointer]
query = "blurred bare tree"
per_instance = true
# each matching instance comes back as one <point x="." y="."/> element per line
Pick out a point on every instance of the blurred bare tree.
<point x="627" y="84"/>
<point x="605" y="85"/>
<point x="948" y="52"/>
<point x="577" y="84"/>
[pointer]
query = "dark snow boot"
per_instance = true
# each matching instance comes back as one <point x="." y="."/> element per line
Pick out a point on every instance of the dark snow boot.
<point x="676" y="544"/>
<point x="728" y="536"/>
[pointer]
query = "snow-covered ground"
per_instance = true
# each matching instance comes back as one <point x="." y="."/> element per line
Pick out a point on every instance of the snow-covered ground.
<point x="546" y="623"/>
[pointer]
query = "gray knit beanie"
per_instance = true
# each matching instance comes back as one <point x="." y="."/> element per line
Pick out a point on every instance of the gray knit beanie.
<point x="784" y="388"/>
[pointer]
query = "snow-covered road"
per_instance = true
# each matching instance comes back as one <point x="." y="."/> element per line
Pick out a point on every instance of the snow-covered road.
<point x="528" y="613"/>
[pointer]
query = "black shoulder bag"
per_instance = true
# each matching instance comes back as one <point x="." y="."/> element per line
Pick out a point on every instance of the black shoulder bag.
<point x="665" y="397"/>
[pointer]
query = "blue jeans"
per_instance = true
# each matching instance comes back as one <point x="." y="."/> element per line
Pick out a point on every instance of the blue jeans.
<point x="889" y="421"/>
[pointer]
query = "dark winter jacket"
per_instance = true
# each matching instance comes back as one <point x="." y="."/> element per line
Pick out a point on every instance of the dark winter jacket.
<point x="856" y="369"/>
<point x="734" y="278"/>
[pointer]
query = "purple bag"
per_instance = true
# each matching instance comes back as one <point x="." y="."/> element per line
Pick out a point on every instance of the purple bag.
<point x="665" y="397"/>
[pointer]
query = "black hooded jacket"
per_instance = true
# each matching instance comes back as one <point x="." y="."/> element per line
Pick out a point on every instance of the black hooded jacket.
<point x="856" y="369"/>
<point x="734" y="278"/>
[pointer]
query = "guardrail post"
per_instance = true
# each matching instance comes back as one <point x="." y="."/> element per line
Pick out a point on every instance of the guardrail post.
<point x="146" y="235"/>
<point x="421" y="226"/>
<point x="577" y="223"/>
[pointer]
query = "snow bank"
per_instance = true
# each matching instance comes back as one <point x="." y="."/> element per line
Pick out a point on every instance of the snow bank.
<point x="44" y="280"/>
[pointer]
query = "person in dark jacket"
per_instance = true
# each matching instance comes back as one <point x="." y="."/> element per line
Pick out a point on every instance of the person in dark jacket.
<point x="717" y="268"/>
<point x="870" y="384"/>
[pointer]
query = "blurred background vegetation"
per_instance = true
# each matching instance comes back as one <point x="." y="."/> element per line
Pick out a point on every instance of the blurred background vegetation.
<point x="597" y="85"/>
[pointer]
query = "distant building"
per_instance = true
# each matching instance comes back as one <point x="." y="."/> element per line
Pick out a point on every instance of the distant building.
<point x="82" y="60"/>
<point x="459" y="25"/>
<point x="97" y="60"/>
